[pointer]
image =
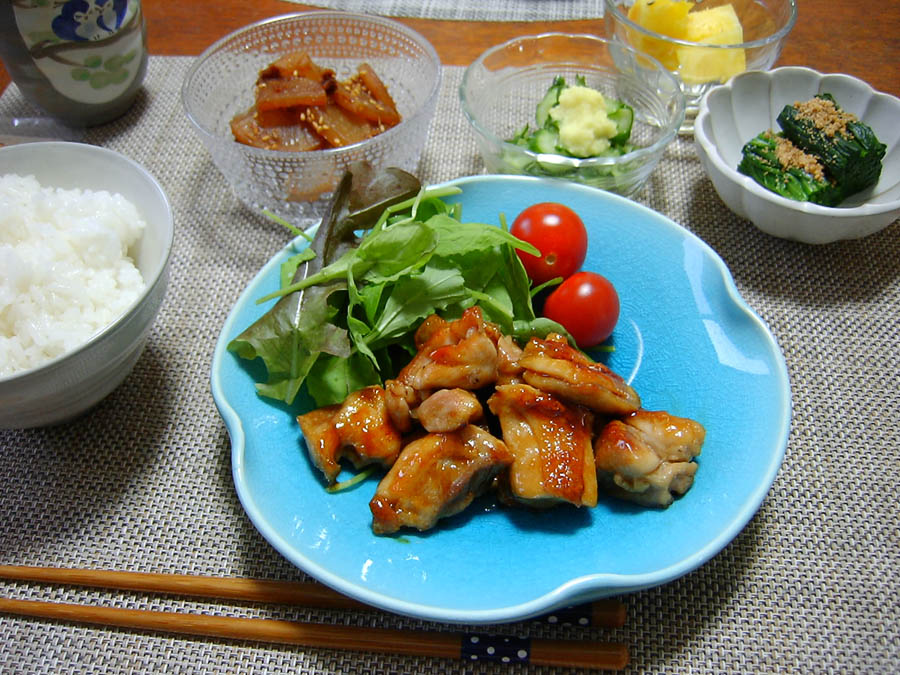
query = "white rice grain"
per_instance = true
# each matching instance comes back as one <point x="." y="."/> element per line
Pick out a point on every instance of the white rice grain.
<point x="65" y="272"/>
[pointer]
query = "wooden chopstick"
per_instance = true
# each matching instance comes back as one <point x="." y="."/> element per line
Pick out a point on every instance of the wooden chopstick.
<point x="607" y="613"/>
<point x="563" y="653"/>
<point x="231" y="588"/>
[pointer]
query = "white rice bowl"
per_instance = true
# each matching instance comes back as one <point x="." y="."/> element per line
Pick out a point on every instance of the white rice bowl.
<point x="69" y="279"/>
<point x="65" y="269"/>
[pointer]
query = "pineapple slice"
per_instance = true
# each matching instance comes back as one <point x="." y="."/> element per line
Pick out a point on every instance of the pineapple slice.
<point x="714" y="26"/>
<point x="666" y="17"/>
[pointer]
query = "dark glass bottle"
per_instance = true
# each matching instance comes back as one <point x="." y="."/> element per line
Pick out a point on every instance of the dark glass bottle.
<point x="81" y="61"/>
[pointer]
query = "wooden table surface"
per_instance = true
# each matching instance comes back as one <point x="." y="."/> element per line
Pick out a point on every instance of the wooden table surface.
<point x="857" y="38"/>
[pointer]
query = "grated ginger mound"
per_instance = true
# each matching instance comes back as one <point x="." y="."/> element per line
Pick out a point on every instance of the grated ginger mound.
<point x="584" y="127"/>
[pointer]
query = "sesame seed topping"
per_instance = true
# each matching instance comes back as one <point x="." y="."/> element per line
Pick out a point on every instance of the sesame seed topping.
<point x="825" y="115"/>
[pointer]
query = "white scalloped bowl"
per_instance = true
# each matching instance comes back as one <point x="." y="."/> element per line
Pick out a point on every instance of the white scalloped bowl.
<point x="733" y="113"/>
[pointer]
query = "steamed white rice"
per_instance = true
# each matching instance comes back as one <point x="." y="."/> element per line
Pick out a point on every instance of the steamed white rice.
<point x="65" y="272"/>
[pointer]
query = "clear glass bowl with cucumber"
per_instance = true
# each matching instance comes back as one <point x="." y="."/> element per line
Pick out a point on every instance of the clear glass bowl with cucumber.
<point x="512" y="93"/>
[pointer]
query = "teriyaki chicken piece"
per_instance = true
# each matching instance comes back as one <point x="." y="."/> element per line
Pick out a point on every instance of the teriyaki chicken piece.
<point x="436" y="476"/>
<point x="359" y="429"/>
<point x="554" y="366"/>
<point x="646" y="457"/>
<point x="449" y="410"/>
<point x="460" y="354"/>
<point x="551" y="445"/>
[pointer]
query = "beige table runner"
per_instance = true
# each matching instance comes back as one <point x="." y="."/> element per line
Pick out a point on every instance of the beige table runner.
<point x="143" y="482"/>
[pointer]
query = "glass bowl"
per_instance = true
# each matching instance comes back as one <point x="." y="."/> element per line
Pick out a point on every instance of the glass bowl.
<point x="297" y="185"/>
<point x="502" y="87"/>
<point x="700" y="66"/>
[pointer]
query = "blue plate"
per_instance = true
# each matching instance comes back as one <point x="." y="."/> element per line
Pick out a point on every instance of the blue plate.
<point x="689" y="344"/>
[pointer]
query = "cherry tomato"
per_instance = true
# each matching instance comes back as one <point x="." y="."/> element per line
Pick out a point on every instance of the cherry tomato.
<point x="558" y="233"/>
<point x="587" y="305"/>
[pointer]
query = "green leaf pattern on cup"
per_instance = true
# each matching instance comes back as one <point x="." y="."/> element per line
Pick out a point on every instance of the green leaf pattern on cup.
<point x="100" y="72"/>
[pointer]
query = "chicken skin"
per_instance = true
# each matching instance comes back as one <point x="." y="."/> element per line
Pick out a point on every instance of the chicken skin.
<point x="646" y="457"/>
<point x="551" y="444"/>
<point x="554" y="366"/>
<point x="436" y="476"/>
<point x="358" y="429"/>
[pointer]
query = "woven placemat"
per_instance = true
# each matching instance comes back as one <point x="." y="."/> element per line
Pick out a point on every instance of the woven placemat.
<point x="471" y="10"/>
<point x="143" y="482"/>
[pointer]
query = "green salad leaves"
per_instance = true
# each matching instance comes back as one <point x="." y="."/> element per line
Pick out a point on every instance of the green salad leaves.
<point x="349" y="304"/>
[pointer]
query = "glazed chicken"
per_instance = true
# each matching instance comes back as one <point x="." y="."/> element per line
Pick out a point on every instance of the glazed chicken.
<point x="554" y="366"/>
<point x="570" y="427"/>
<point x="646" y="456"/>
<point x="551" y="445"/>
<point x="451" y="354"/>
<point x="436" y="476"/>
<point x="459" y="353"/>
<point x="509" y="355"/>
<point x="358" y="429"/>
<point x="449" y="410"/>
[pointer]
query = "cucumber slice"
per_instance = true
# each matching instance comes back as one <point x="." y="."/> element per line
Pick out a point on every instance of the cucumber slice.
<point x="551" y="98"/>
<point x="556" y="170"/>
<point x="623" y="116"/>
<point x="545" y="141"/>
<point x="521" y="137"/>
<point x="515" y="162"/>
